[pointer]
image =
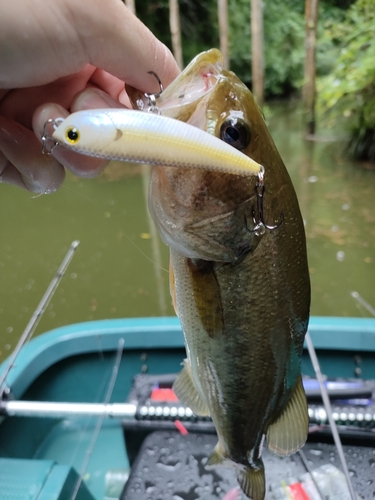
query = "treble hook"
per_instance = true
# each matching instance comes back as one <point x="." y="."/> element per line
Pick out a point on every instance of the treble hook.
<point x="45" y="137"/>
<point x="259" y="225"/>
<point x="152" y="97"/>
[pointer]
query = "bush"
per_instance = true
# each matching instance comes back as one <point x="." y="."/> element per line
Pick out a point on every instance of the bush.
<point x="347" y="94"/>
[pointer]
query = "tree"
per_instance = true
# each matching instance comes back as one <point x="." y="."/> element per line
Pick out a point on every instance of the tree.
<point x="222" y="8"/>
<point x="309" y="92"/>
<point x="174" y="22"/>
<point x="257" y="56"/>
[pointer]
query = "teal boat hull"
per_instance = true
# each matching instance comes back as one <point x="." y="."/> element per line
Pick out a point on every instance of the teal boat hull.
<point x="74" y="364"/>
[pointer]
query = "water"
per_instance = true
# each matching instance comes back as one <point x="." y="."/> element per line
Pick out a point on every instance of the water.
<point x="110" y="276"/>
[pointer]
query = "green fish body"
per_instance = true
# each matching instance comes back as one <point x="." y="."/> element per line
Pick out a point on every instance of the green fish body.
<point x="242" y="293"/>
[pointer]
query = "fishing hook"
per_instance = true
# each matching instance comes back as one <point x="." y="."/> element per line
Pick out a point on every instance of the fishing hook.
<point x="152" y="97"/>
<point x="45" y="137"/>
<point x="259" y="225"/>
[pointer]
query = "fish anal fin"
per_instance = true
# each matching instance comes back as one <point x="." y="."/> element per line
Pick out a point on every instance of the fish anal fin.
<point x="252" y="482"/>
<point x="289" y="432"/>
<point x="172" y="287"/>
<point x="187" y="393"/>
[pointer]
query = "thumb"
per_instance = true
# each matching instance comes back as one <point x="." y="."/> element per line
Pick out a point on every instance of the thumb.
<point x="42" y="41"/>
<point x="118" y="42"/>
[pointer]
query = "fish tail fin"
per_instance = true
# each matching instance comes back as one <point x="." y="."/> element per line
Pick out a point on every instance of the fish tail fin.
<point x="252" y="481"/>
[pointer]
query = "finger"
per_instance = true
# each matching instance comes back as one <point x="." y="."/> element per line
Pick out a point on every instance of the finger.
<point x="108" y="83"/>
<point x="93" y="98"/>
<point x="22" y="162"/>
<point x="9" y="174"/>
<point x="118" y="42"/>
<point x="60" y="38"/>
<point x="83" y="166"/>
<point x="19" y="104"/>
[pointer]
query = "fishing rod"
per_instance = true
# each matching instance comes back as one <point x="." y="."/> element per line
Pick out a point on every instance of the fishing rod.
<point x="38" y="313"/>
<point x="328" y="408"/>
<point x="356" y="296"/>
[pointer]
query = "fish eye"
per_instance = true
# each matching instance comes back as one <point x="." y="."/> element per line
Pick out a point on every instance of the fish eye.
<point x="235" y="133"/>
<point x="72" y="135"/>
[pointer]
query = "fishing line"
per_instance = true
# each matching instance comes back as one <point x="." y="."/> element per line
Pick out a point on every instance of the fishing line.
<point x="97" y="206"/>
<point x="99" y="394"/>
<point x="310" y="471"/>
<point x="98" y="427"/>
<point x="328" y="408"/>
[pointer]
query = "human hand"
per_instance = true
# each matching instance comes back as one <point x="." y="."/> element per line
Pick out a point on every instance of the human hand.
<point x="60" y="57"/>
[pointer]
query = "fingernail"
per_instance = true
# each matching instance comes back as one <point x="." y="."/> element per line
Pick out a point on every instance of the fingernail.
<point x="10" y="132"/>
<point x="95" y="99"/>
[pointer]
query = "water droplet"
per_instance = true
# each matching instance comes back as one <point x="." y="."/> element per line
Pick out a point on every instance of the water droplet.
<point x="317" y="453"/>
<point x="340" y="256"/>
<point x="169" y="467"/>
<point x="312" y="179"/>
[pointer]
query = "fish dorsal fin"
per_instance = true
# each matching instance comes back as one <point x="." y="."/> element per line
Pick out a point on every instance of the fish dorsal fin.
<point x="252" y="482"/>
<point x="187" y="393"/>
<point x="172" y="286"/>
<point x="289" y="433"/>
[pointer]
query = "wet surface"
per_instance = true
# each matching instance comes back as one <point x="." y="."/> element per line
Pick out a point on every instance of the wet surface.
<point x="171" y="467"/>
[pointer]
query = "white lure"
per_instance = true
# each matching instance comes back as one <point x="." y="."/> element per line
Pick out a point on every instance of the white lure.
<point x="140" y="137"/>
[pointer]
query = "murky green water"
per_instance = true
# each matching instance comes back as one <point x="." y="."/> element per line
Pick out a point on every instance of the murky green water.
<point x="111" y="274"/>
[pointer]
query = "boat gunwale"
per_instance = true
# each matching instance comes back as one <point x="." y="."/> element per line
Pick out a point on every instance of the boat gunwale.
<point x="328" y="333"/>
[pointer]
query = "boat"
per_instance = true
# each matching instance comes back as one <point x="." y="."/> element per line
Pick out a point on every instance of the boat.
<point x="81" y="401"/>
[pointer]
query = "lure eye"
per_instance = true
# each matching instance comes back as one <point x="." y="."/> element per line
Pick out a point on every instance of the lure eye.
<point x="235" y="133"/>
<point x="72" y="135"/>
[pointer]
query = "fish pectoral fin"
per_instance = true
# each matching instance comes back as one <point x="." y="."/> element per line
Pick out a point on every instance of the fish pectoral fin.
<point x="207" y="296"/>
<point x="172" y="286"/>
<point x="252" y="482"/>
<point x="187" y="393"/>
<point x="289" y="433"/>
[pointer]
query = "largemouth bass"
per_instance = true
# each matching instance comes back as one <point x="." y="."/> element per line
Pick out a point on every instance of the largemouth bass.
<point x="238" y="274"/>
<point x="240" y="289"/>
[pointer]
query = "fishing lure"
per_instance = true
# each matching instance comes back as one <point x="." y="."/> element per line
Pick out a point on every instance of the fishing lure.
<point x="134" y="136"/>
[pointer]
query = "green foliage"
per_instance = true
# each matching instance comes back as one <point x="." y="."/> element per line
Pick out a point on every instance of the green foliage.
<point x="284" y="35"/>
<point x="284" y="28"/>
<point x="199" y="25"/>
<point x="283" y="41"/>
<point x="347" y="94"/>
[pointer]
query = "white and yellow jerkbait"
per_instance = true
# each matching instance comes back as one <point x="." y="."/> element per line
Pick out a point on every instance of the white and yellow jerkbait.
<point x="135" y="136"/>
